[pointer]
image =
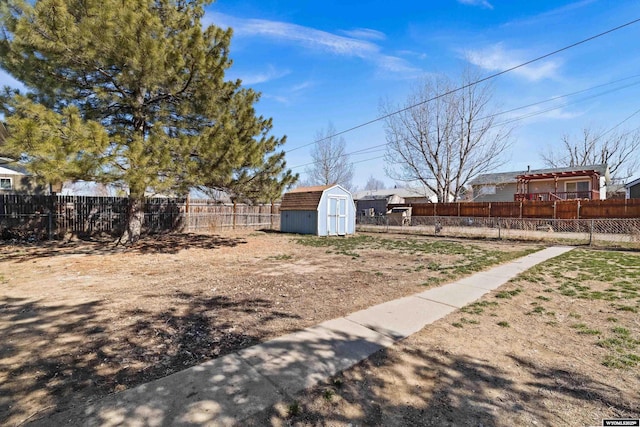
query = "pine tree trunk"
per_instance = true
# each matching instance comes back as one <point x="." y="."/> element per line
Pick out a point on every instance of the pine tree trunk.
<point x="135" y="218"/>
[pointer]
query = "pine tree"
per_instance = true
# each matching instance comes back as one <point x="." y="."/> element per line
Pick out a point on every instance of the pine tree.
<point x="139" y="84"/>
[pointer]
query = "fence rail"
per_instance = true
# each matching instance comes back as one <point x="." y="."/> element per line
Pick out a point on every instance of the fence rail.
<point x="624" y="231"/>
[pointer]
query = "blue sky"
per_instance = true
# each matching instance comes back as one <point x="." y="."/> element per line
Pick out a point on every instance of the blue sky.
<point x="333" y="61"/>
<point x="330" y="61"/>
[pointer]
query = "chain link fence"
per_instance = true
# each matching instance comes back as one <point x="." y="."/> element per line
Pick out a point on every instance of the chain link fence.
<point x="571" y="231"/>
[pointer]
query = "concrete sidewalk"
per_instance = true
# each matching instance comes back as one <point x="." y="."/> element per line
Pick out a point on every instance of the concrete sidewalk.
<point x="229" y="389"/>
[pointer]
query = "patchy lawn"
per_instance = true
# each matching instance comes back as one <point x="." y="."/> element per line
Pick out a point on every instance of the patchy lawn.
<point x="85" y="319"/>
<point x="559" y="345"/>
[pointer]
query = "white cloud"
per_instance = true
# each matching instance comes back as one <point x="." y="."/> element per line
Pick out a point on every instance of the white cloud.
<point x="271" y="73"/>
<point x="481" y="3"/>
<point x="365" y="33"/>
<point x="540" y="113"/>
<point x="497" y="58"/>
<point x="419" y="55"/>
<point x="290" y="95"/>
<point x="557" y="12"/>
<point x="312" y="38"/>
<point x="302" y="86"/>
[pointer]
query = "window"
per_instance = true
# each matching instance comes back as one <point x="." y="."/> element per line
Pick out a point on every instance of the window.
<point x="487" y="189"/>
<point x="5" y="184"/>
<point x="577" y="190"/>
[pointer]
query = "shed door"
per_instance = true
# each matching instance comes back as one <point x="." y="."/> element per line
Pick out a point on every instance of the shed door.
<point x="337" y="216"/>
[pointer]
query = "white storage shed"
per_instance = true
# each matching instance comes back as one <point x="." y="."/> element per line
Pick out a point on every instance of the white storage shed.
<point x="323" y="211"/>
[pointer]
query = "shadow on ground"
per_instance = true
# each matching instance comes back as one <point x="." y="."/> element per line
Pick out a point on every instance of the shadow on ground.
<point x="150" y="244"/>
<point x="54" y="357"/>
<point x="398" y="387"/>
<point x="442" y="389"/>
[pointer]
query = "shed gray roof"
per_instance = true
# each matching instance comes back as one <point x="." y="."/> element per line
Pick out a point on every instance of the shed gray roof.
<point x="507" y="177"/>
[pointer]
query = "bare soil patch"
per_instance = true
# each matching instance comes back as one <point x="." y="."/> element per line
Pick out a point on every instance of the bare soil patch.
<point x="84" y="319"/>
<point x="557" y="346"/>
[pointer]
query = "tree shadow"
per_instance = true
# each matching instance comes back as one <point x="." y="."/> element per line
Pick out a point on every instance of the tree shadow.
<point x="56" y="356"/>
<point x="437" y="388"/>
<point x="166" y="243"/>
<point x="444" y="389"/>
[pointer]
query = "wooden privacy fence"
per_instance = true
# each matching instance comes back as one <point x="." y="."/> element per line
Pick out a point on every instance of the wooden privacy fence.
<point x="41" y="215"/>
<point x="561" y="209"/>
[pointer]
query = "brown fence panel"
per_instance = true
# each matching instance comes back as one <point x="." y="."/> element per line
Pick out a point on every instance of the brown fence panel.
<point x="632" y="208"/>
<point x="537" y="209"/>
<point x="506" y="209"/>
<point x="446" y="209"/>
<point x="88" y="214"/>
<point x="476" y="209"/>
<point x="18" y="204"/>
<point x="612" y="208"/>
<point x="567" y="209"/>
<point x="24" y="215"/>
<point x="422" y="209"/>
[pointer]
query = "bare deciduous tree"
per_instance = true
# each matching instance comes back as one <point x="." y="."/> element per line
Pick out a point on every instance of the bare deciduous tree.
<point x="446" y="142"/>
<point x="620" y="151"/>
<point x="331" y="163"/>
<point x="374" y="184"/>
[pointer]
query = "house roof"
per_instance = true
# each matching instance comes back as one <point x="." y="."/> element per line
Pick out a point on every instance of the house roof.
<point x="13" y="169"/>
<point x="632" y="183"/>
<point x="303" y="198"/>
<point x="386" y="193"/>
<point x="512" y="177"/>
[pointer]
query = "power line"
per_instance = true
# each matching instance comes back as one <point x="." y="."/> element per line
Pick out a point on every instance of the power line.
<point x="597" y="138"/>
<point x="537" y="113"/>
<point x="484" y="79"/>
<point x="619" y="124"/>
<point x="370" y="150"/>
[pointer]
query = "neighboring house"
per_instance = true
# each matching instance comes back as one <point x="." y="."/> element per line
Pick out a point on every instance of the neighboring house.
<point x="15" y="179"/>
<point x="580" y="182"/>
<point x="323" y="210"/>
<point x="376" y="202"/>
<point x="633" y="189"/>
<point x="616" y="191"/>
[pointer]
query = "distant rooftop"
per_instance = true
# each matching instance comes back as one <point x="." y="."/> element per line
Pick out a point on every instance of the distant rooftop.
<point x="384" y="193"/>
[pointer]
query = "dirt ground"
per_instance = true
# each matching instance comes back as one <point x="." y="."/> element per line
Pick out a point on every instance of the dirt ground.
<point x="559" y="346"/>
<point x="84" y="319"/>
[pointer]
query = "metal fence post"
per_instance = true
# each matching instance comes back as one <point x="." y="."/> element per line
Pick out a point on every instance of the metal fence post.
<point x="499" y="236"/>
<point x="591" y="233"/>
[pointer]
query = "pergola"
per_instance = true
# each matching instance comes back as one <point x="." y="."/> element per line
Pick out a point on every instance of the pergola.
<point x="524" y="179"/>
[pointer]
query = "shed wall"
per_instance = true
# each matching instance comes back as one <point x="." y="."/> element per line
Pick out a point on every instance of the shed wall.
<point x="634" y="192"/>
<point x="301" y="222"/>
